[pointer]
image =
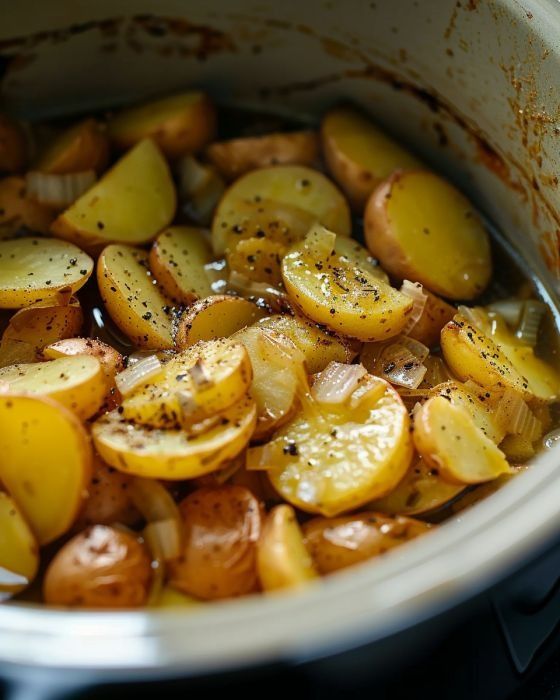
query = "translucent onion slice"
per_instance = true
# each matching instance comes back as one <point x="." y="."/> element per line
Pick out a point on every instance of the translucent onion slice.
<point x="153" y="500"/>
<point x="163" y="537"/>
<point x="336" y="383"/>
<point x="475" y="315"/>
<point x="516" y="417"/>
<point x="508" y="309"/>
<point x="58" y="191"/>
<point x="415" y="291"/>
<point x="259" y="292"/>
<point x="529" y="324"/>
<point x="200" y="188"/>
<point x="320" y="242"/>
<point x="134" y="376"/>
<point x="402" y="367"/>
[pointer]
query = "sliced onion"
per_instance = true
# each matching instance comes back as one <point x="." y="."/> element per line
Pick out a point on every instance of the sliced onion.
<point x="418" y="349"/>
<point x="200" y="187"/>
<point x="531" y="317"/>
<point x="400" y="366"/>
<point x="153" y="500"/>
<point x="368" y="387"/>
<point x="551" y="439"/>
<point x="414" y="291"/>
<point x="516" y="417"/>
<point x="508" y="309"/>
<point x="437" y="371"/>
<point x="58" y="191"/>
<point x="337" y="382"/>
<point x="164" y="538"/>
<point x="132" y="377"/>
<point x="259" y="292"/>
<point x="319" y="242"/>
<point x="9" y="579"/>
<point x="475" y="315"/>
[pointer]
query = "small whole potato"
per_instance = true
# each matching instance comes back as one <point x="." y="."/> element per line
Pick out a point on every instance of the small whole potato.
<point x="101" y="567"/>
<point x="108" y="498"/>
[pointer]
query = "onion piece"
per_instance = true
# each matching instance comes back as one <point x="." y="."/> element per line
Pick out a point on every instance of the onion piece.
<point x="200" y="187"/>
<point x="516" y="417"/>
<point x="164" y="538"/>
<point x="414" y="291"/>
<point x="58" y="191"/>
<point x="259" y="292"/>
<point x="508" y="309"/>
<point x="368" y="387"/>
<point x="337" y="382"/>
<point x="132" y="377"/>
<point x="475" y="315"/>
<point x="529" y="324"/>
<point x="418" y="349"/>
<point x="153" y="500"/>
<point x="319" y="242"/>
<point x="400" y="366"/>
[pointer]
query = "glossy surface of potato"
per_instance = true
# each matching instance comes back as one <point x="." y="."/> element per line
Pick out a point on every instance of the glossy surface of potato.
<point x="82" y="147"/>
<point x="13" y="146"/>
<point x="221" y="530"/>
<point x="19" y="553"/>
<point x="408" y="220"/>
<point x="110" y="359"/>
<point x="101" y="567"/>
<point x="258" y="259"/>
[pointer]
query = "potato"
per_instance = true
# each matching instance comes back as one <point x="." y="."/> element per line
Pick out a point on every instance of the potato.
<point x="435" y="315"/>
<point x="258" y="259"/>
<point x="336" y="543"/>
<point x="317" y="345"/>
<point x="200" y="189"/>
<point x="19" y="553"/>
<point x="543" y="380"/>
<point x="217" y="316"/>
<point x="169" y="598"/>
<point x="101" y="567"/>
<point x="282" y="558"/>
<point x="354" y="253"/>
<point x="110" y="359"/>
<point x="13" y="146"/>
<point x="36" y="270"/>
<point x="108" y="498"/>
<point x="308" y="458"/>
<point x="19" y="212"/>
<point x="179" y="124"/>
<point x="199" y="382"/>
<point x="45" y="462"/>
<point x="279" y="203"/>
<point x="447" y="438"/>
<point x="238" y="156"/>
<point x="131" y="203"/>
<point x="177" y="260"/>
<point x="173" y="454"/>
<point x="221" y="530"/>
<point x="75" y="382"/>
<point x="346" y="298"/>
<point x="359" y="155"/>
<point x="422" y="229"/>
<point x="135" y="304"/>
<point x="82" y="147"/>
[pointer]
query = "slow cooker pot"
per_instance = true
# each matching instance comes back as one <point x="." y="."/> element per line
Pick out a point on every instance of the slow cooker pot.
<point x="470" y="86"/>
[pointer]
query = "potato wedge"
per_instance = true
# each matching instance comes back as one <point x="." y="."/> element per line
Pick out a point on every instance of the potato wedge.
<point x="282" y="558"/>
<point x="280" y="202"/>
<point x="447" y="438"/>
<point x="217" y="316"/>
<point x="108" y="498"/>
<point x="436" y="314"/>
<point x="173" y="454"/>
<point x="421" y="228"/>
<point x="179" y="124"/>
<point x="359" y="155"/>
<point x="135" y="304"/>
<point x="336" y="543"/>
<point x="19" y="553"/>
<point x="82" y="147"/>
<point x="45" y="462"/>
<point x="36" y="270"/>
<point x="222" y="527"/>
<point x="13" y="146"/>
<point x="238" y="156"/>
<point x="131" y="203"/>
<point x="75" y="382"/>
<point x="177" y="260"/>
<point x="110" y="359"/>
<point x="18" y="212"/>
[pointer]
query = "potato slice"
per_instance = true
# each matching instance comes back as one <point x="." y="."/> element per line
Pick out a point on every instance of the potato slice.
<point x="18" y="212"/>
<point x="336" y="543"/>
<point x="217" y="316"/>
<point x="13" y="146"/>
<point x="238" y="156"/>
<point x="436" y="314"/>
<point x="222" y="527"/>
<point x="359" y="155"/>
<point x="38" y="269"/>
<point x="177" y="260"/>
<point x="75" y="382"/>
<point x="309" y="458"/>
<point x="45" y="462"/>
<point x="354" y="253"/>
<point x="346" y="298"/>
<point x="19" y="553"/>
<point x="282" y="558"/>
<point x="542" y="378"/>
<point x="290" y="196"/>
<point x="423" y="229"/>
<point x="179" y="124"/>
<point x="82" y="147"/>
<point x="205" y="379"/>
<point x="173" y="454"/>
<point x="110" y="359"/>
<point x="135" y="304"/>
<point x="447" y="438"/>
<point x="132" y="202"/>
<point x="258" y="259"/>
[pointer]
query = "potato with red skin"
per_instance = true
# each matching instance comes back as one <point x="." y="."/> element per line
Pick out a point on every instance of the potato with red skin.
<point x="101" y="567"/>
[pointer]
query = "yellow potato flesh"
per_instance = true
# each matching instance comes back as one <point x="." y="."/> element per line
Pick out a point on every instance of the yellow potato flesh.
<point x="135" y="304"/>
<point x="45" y="462"/>
<point x="17" y="211"/>
<point x="449" y="441"/>
<point x="332" y="459"/>
<point x="19" y="554"/>
<point x="258" y="259"/>
<point x="36" y="270"/>
<point x="542" y="378"/>
<point x="80" y="148"/>
<point x="173" y="454"/>
<point x="357" y="255"/>
<point x="421" y="228"/>
<point x="170" y="598"/>
<point x="132" y="202"/>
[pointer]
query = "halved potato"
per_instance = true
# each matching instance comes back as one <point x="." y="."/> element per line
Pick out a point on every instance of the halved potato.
<point x="82" y="147"/>
<point x="135" y="304"/>
<point x="542" y="378"/>
<point x="19" y="553"/>
<point x="282" y="558"/>
<point x="13" y="146"/>
<point x="173" y="454"/>
<point x="359" y="155"/>
<point x="36" y="270"/>
<point x="423" y="229"/>
<point x="132" y="202"/>
<point x="45" y="462"/>
<point x="354" y="253"/>
<point x="217" y="316"/>
<point x="238" y="156"/>
<point x="110" y="359"/>
<point x="258" y="259"/>
<point x="447" y="438"/>
<point x="177" y="260"/>
<point x="179" y="124"/>
<point x="435" y="315"/>
<point x="20" y="212"/>
<point x="75" y="382"/>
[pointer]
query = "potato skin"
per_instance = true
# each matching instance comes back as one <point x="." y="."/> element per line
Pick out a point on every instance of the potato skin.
<point x="436" y="314"/>
<point x="18" y="211"/>
<point x="13" y="146"/>
<point x="82" y="147"/>
<point x="108" y="498"/>
<point x="100" y="568"/>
